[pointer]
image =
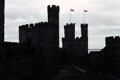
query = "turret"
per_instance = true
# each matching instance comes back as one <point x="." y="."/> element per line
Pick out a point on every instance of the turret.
<point x="53" y="14"/>
<point x="112" y="42"/>
<point x="84" y="31"/>
<point x="70" y="31"/>
<point x="53" y="18"/>
<point x="109" y="41"/>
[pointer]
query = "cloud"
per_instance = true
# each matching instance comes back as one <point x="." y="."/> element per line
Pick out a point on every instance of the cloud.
<point x="103" y="17"/>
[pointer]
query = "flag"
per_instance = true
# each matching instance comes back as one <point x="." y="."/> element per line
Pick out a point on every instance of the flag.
<point x="71" y="10"/>
<point x="85" y="10"/>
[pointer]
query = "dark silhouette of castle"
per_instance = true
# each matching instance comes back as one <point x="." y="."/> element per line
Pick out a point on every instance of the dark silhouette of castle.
<point x="38" y="56"/>
<point x="107" y="61"/>
<point x="38" y="52"/>
<point x="44" y="34"/>
<point x="75" y="48"/>
<point x="44" y="37"/>
<point x="112" y="56"/>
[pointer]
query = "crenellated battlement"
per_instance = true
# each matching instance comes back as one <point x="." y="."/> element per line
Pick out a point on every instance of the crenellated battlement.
<point x="36" y="26"/>
<point x="53" y="8"/>
<point x="84" y="31"/>
<point x="33" y="26"/>
<point x="23" y="27"/>
<point x="69" y="25"/>
<point x="27" y="27"/>
<point x="84" y="25"/>
<point x="41" y="24"/>
<point x="70" y="31"/>
<point x="80" y="40"/>
<point x="112" y="41"/>
<point x="77" y="38"/>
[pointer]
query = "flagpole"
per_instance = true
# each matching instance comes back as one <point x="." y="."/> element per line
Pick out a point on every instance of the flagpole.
<point x="84" y="15"/>
<point x="70" y="16"/>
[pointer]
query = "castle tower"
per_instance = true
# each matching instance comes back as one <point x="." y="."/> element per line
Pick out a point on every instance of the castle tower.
<point x="84" y="31"/>
<point x="69" y="43"/>
<point x="69" y="31"/>
<point x="1" y="20"/>
<point x="110" y="42"/>
<point x="53" y="18"/>
<point x="84" y="34"/>
<point x="53" y="14"/>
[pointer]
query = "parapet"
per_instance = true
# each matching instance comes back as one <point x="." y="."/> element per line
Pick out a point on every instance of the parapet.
<point x="80" y="39"/>
<point x="11" y="44"/>
<point x="23" y="27"/>
<point x="31" y="26"/>
<point x="27" y="27"/>
<point x="69" y="25"/>
<point x="117" y="41"/>
<point x="117" y="38"/>
<point x="77" y="38"/>
<point x="82" y="25"/>
<point x="53" y="8"/>
<point x="109" y="40"/>
<point x="41" y="24"/>
<point x="36" y="26"/>
<point x="112" y="41"/>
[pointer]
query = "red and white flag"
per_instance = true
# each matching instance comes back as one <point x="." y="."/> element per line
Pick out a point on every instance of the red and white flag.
<point x="71" y="10"/>
<point x="85" y="10"/>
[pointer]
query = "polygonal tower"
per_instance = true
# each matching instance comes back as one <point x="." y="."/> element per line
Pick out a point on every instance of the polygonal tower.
<point x="84" y="31"/>
<point x="1" y="20"/>
<point x="70" y="31"/>
<point x="53" y="18"/>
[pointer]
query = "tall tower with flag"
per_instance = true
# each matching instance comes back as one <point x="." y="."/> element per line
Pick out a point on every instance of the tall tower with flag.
<point x="2" y="20"/>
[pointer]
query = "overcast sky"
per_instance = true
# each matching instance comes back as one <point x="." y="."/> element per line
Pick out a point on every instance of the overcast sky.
<point x="103" y="17"/>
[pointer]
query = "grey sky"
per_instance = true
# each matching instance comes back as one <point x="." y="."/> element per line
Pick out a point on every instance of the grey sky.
<point x="103" y="17"/>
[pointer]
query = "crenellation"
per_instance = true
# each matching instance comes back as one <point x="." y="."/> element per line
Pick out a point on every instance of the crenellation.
<point x="112" y="42"/>
<point x="43" y="23"/>
<point x="77" y="38"/>
<point x="24" y="27"/>
<point x="32" y="26"/>
<point x="53" y="8"/>
<point x="36" y="24"/>
<point x="109" y="41"/>
<point x="75" y="46"/>
<point x="84" y="24"/>
<point x="69" y="31"/>
<point x="84" y="31"/>
<point x="117" y="41"/>
<point x="71" y="24"/>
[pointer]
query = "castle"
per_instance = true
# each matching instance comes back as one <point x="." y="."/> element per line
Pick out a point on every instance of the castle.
<point x="38" y="52"/>
<point x="38" y="56"/>
<point x="75" y="48"/>
<point x="112" y="55"/>
<point x="107" y="61"/>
